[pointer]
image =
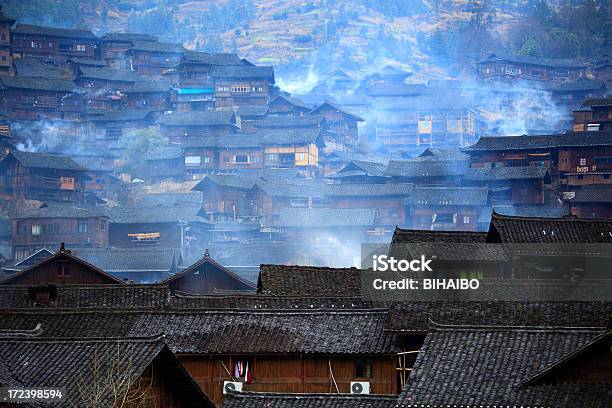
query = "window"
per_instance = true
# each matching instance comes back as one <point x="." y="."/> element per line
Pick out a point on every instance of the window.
<point x="466" y="220"/>
<point x="21" y="228"/>
<point x="363" y="368"/>
<point x="36" y="229"/>
<point x="301" y="156"/>
<point x="206" y="159"/>
<point x="102" y="225"/>
<point x="81" y="48"/>
<point x="192" y="160"/>
<point x="83" y="226"/>
<point x="52" y="228"/>
<point x="583" y="162"/>
<point x="35" y="44"/>
<point x="241" y="88"/>
<point x="63" y="269"/>
<point x="241" y="159"/>
<point x="603" y="160"/>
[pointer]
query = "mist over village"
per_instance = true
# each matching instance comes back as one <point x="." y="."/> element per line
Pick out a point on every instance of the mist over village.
<point x="305" y="203"/>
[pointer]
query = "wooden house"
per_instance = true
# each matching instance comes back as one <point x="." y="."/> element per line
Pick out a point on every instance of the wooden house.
<point x="180" y="127"/>
<point x="194" y="69"/>
<point x="575" y="92"/>
<point x="104" y="86"/>
<point x="593" y="202"/>
<point x="512" y="68"/>
<point x="6" y="23"/>
<point x="50" y="225"/>
<point x="285" y="105"/>
<point x="101" y="179"/>
<point x="429" y="172"/>
<point x="510" y="185"/>
<point x="40" y="176"/>
<point x="152" y="58"/>
<point x="141" y="370"/>
<point x="176" y="226"/>
<point x="248" y="116"/>
<point x="114" y="48"/>
<point x="341" y="124"/>
<point x="32" y="98"/>
<point x="602" y="69"/>
<point x="148" y="95"/>
<point x="165" y="163"/>
<point x="445" y="208"/>
<point x="573" y="374"/>
<point x="112" y="126"/>
<point x="207" y="276"/>
<point x="61" y="268"/>
<point x="601" y="114"/>
<point x="225" y="196"/>
<point x="31" y="40"/>
<point x="242" y="85"/>
<point x="359" y="171"/>
<point x="386" y="200"/>
<point x="322" y="225"/>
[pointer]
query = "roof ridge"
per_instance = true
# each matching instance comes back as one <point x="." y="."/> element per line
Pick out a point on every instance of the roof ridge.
<point x="433" y="326"/>
<point x="149" y="339"/>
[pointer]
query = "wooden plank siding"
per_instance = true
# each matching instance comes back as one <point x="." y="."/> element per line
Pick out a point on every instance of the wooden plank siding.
<point x="291" y="374"/>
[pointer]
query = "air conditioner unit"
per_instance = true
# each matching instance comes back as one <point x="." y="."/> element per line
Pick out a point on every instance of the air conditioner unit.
<point x="231" y="386"/>
<point x="568" y="195"/>
<point x="360" y="387"/>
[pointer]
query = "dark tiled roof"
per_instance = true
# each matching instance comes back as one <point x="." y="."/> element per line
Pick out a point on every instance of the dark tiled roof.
<point x="155" y="46"/>
<point x="325" y="217"/>
<point x="147" y="87"/>
<point x="426" y="168"/>
<point x="227" y="180"/>
<point x="369" y="189"/>
<point x="175" y="213"/>
<point x="39" y="84"/>
<point x="393" y="89"/>
<point x="46" y="161"/>
<point x="212" y="58"/>
<point x="293" y="101"/>
<point x="109" y="74"/>
<point x="129" y="259"/>
<point x="541" y="142"/>
<point x="225" y="332"/>
<point x="569" y="229"/>
<point x="594" y="194"/>
<point x="90" y="364"/>
<point x="360" y="167"/>
<point x="63" y="211"/>
<point x="120" y="116"/>
<point x="448" y="196"/>
<point x="279" y="188"/>
<point x="128" y="37"/>
<point x="171" y="198"/>
<point x="597" y="102"/>
<point x="540" y="211"/>
<point x="89" y="296"/>
<point x="485" y="366"/>
<point x="262" y="138"/>
<point x="245" y="111"/>
<point x="88" y="62"/>
<point x="163" y="153"/>
<point x="201" y="118"/>
<point x="281" y="280"/>
<point x="506" y="173"/>
<point x="580" y="85"/>
<point x="414" y="316"/>
<point x="552" y="62"/>
<point x="270" y="400"/>
<point x="238" y="282"/>
<point x="262" y="302"/>
<point x="35" y="67"/>
<point x="336" y="108"/>
<point x="289" y="121"/>
<point x="243" y="72"/>
<point x="415" y="236"/>
<point x="53" y="31"/>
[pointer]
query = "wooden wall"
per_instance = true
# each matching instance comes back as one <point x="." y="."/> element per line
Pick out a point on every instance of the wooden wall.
<point x="292" y="374"/>
<point x="48" y="273"/>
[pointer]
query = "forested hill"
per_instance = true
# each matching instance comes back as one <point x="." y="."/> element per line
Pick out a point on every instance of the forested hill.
<point x="433" y="38"/>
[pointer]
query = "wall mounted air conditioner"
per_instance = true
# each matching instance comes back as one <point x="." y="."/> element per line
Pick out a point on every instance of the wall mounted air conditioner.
<point x="360" y="387"/>
<point x="231" y="386"/>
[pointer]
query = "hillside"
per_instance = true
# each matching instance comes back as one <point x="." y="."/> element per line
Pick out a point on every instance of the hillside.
<point x="306" y="39"/>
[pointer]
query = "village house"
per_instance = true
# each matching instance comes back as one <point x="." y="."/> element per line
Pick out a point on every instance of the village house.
<point x="110" y="127"/>
<point x="152" y="58"/>
<point x="100" y="177"/>
<point x="141" y="370"/>
<point x="445" y="208"/>
<point x="114" y="48"/>
<point x="359" y="171"/>
<point x="593" y="201"/>
<point x="575" y="92"/>
<point x="180" y="127"/>
<point x="341" y="124"/>
<point x="225" y="196"/>
<point x="175" y="226"/>
<point x="32" y="98"/>
<point x="41" y="176"/>
<point x="285" y="105"/>
<point x="51" y="225"/>
<point x="435" y="171"/>
<point x="165" y="163"/>
<point x="596" y="115"/>
<point x="248" y="116"/>
<point x="148" y="95"/>
<point x="194" y="69"/>
<point x="60" y="268"/>
<point x="207" y="276"/>
<point x="242" y="85"/>
<point x="31" y="41"/>
<point x="6" y="23"/>
<point x="104" y="86"/>
<point x="564" y="376"/>
<point x="510" y="185"/>
<point x="512" y="68"/>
